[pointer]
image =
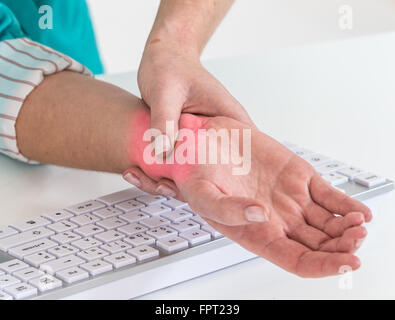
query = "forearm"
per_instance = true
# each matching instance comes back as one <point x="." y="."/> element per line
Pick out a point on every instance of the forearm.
<point x="75" y="121"/>
<point x="188" y="24"/>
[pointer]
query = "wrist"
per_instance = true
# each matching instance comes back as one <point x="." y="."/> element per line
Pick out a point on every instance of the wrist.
<point x="140" y="151"/>
<point x="172" y="38"/>
<point x="175" y="167"/>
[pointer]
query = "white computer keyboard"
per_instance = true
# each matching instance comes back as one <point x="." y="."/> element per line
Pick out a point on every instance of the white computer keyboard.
<point x="75" y="251"/>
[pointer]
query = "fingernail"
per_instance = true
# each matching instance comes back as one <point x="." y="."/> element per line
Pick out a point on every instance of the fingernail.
<point x="166" y="191"/>
<point x="132" y="179"/>
<point x="256" y="214"/>
<point x="162" y="144"/>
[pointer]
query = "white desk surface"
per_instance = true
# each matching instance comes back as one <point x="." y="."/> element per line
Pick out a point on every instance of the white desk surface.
<point x="336" y="98"/>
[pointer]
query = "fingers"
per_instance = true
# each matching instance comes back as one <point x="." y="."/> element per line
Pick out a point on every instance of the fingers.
<point x="350" y="241"/>
<point x="315" y="239"/>
<point x="334" y="200"/>
<point x="270" y="242"/>
<point x="336" y="226"/>
<point x="308" y="236"/>
<point x="207" y="200"/>
<point x="165" y="113"/>
<point x="296" y="258"/>
<point x="332" y="225"/>
<point x="164" y="187"/>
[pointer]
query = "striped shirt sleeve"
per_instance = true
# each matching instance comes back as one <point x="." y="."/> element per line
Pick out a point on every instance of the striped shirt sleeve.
<point x="23" y="66"/>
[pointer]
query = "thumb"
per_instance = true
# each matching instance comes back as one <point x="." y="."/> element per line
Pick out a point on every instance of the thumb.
<point x="207" y="200"/>
<point x="165" y="115"/>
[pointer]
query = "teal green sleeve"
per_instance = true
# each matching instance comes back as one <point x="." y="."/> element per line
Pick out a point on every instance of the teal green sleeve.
<point x="72" y="33"/>
<point x="9" y="25"/>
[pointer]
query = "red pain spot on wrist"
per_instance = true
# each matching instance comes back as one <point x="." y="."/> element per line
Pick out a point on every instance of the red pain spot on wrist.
<point x="141" y="147"/>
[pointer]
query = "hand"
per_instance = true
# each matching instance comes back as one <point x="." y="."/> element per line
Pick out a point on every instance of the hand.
<point x="172" y="83"/>
<point x="297" y="220"/>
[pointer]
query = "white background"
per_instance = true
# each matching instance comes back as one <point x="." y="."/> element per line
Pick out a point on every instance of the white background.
<point x="122" y="26"/>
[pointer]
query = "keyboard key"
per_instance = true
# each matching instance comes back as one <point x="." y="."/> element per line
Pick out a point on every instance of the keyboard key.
<point x="155" y="222"/>
<point x="89" y="230"/>
<point x="108" y="212"/>
<point x="110" y="235"/>
<point x="133" y="217"/>
<point x="62" y="226"/>
<point x="335" y="179"/>
<point x="370" y="180"/>
<point x="111" y="223"/>
<point x="32" y="247"/>
<point x="351" y="172"/>
<point x="6" y="232"/>
<point x="156" y="210"/>
<point x="174" y="204"/>
<point x="289" y="145"/>
<point x="143" y="252"/>
<point x="151" y="199"/>
<point x="27" y="274"/>
<point x="115" y="247"/>
<point x="130" y="205"/>
<point x="46" y="283"/>
<point x="72" y="275"/>
<point x="195" y="237"/>
<point x="54" y="266"/>
<point x="21" y="291"/>
<point x="301" y="152"/>
<point x="162" y="232"/>
<point x="86" y="207"/>
<point x="132" y="229"/>
<point x="8" y="280"/>
<point x="38" y="258"/>
<point x="214" y="233"/>
<point x="65" y="237"/>
<point x="63" y="250"/>
<point x="188" y="208"/>
<point x="330" y="167"/>
<point x="85" y="219"/>
<point x="86" y="243"/>
<point x="31" y="224"/>
<point x="185" y="225"/>
<point x="199" y="220"/>
<point x="316" y="160"/>
<point x="13" y="265"/>
<point x="97" y="267"/>
<point x="121" y="196"/>
<point x="59" y="215"/>
<point x="120" y="260"/>
<point x="140" y="239"/>
<point x="24" y="237"/>
<point x="92" y="254"/>
<point x="172" y="244"/>
<point x="5" y="296"/>
<point x="177" y="215"/>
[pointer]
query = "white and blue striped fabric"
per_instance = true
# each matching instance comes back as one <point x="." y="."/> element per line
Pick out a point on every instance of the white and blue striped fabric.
<point x="23" y="66"/>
